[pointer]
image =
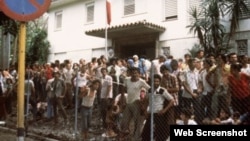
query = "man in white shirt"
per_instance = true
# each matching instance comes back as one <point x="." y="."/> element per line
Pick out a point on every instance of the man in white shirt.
<point x="68" y="74"/>
<point x="29" y="93"/>
<point x="157" y="64"/>
<point x="206" y="82"/>
<point x="106" y="94"/>
<point x="191" y="91"/>
<point x="132" y="110"/>
<point x="159" y="110"/>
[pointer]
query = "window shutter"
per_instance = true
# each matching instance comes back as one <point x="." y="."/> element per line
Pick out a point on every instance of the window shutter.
<point x="194" y="4"/>
<point x="129" y="7"/>
<point x="90" y="13"/>
<point x="170" y="9"/>
<point x="242" y="47"/>
<point x="58" y="20"/>
<point x="245" y="13"/>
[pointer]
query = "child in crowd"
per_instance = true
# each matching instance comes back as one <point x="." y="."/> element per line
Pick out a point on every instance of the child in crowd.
<point x="111" y="116"/>
<point x="185" y="118"/>
<point x="236" y="118"/>
<point x="143" y="102"/>
<point x="121" y="103"/>
<point x="121" y="99"/>
<point x="223" y="119"/>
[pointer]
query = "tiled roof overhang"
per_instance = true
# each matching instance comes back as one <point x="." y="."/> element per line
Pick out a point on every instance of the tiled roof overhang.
<point x="58" y="3"/>
<point x="127" y="29"/>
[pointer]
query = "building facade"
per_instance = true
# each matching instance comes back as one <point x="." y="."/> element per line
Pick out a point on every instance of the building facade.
<point x="78" y="29"/>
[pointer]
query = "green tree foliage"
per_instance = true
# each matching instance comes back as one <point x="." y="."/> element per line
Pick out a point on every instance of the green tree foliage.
<point x="197" y="24"/>
<point x="207" y="23"/>
<point x="37" y="46"/>
<point x="193" y="51"/>
<point x="8" y="25"/>
<point x="235" y="8"/>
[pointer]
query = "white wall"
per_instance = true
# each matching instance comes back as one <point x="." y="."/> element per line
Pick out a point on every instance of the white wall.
<point x="72" y="38"/>
<point x="76" y="44"/>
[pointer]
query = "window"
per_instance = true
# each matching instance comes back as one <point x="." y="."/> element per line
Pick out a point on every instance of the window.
<point x="246" y="14"/>
<point x="194" y="4"/>
<point x="58" y="20"/>
<point x="170" y="9"/>
<point x="129" y="7"/>
<point x="242" y="47"/>
<point x="90" y="12"/>
<point x="165" y="51"/>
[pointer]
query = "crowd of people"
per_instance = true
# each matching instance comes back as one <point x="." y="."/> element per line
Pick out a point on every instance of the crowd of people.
<point x="195" y="90"/>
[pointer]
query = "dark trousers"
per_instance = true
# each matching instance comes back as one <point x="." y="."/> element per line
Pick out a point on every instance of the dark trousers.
<point x="132" y="113"/>
<point x="68" y="96"/>
<point x="104" y="103"/>
<point x="58" y="105"/>
<point x="33" y="103"/>
<point x="242" y="105"/>
<point x="160" y="128"/>
<point x="3" y="112"/>
<point x="187" y="102"/>
<point x="8" y="103"/>
<point x="206" y="110"/>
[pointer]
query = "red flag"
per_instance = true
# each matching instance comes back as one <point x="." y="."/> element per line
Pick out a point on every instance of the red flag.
<point x="108" y="8"/>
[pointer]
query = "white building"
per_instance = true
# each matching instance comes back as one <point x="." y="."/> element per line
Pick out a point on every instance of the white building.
<point x="76" y="28"/>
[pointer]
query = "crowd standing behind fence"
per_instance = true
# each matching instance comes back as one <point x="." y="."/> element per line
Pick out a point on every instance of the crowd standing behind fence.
<point x="206" y="85"/>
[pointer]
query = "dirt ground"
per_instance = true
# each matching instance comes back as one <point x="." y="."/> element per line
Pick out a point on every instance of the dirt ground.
<point x="59" y="131"/>
<point x="6" y="136"/>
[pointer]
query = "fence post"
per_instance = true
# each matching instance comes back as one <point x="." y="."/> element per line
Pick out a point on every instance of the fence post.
<point x="76" y="104"/>
<point x="151" y="103"/>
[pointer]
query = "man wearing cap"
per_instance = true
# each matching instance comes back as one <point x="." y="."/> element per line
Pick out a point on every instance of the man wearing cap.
<point x="59" y="89"/>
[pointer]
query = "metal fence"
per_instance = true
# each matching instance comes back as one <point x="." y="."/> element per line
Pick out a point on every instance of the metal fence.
<point x="207" y="97"/>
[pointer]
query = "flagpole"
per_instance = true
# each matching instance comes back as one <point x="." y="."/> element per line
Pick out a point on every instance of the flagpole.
<point x="108" y="20"/>
<point x="106" y="41"/>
